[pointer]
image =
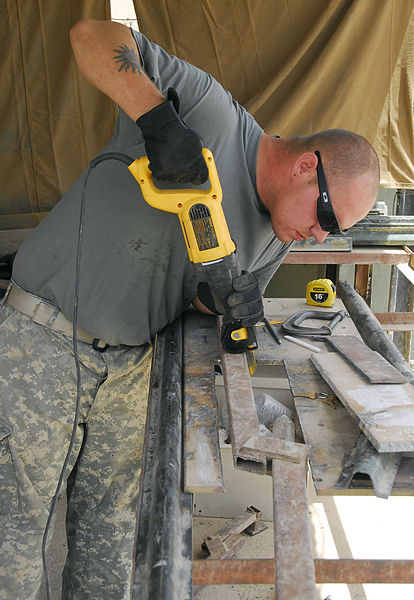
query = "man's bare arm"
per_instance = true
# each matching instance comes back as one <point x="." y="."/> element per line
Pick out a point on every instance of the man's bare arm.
<point x="107" y="56"/>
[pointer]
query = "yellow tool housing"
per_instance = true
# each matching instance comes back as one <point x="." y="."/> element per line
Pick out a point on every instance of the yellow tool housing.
<point x="201" y="216"/>
<point x="320" y="292"/>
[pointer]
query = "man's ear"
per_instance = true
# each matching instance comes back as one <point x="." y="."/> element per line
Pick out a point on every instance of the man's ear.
<point x="305" y="163"/>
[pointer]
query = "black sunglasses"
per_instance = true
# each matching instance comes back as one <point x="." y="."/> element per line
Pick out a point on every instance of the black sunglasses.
<point x="324" y="209"/>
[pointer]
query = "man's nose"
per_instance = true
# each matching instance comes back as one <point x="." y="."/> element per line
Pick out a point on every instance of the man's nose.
<point x="319" y="234"/>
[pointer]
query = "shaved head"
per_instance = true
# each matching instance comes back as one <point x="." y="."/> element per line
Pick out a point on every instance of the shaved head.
<point x="345" y="155"/>
<point x="289" y="187"/>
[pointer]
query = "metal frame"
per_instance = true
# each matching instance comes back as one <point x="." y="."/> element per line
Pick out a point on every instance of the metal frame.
<point x="163" y="559"/>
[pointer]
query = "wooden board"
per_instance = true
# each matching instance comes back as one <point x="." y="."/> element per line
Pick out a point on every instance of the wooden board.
<point x="385" y="412"/>
<point x="367" y="362"/>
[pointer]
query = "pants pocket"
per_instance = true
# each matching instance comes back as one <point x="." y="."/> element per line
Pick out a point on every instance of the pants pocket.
<point x="8" y="480"/>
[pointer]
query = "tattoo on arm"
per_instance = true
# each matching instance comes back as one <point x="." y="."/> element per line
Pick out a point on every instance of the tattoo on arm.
<point x="127" y="58"/>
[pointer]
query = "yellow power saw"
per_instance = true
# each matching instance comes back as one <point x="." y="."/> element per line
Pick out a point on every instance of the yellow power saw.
<point x="207" y="238"/>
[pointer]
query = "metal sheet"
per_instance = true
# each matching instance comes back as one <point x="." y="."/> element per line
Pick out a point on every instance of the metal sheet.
<point x="370" y="329"/>
<point x="385" y="412"/>
<point x="367" y="362"/>
<point x="202" y="461"/>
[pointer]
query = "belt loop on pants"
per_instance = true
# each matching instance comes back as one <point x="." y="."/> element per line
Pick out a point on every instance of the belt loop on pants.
<point x="43" y="312"/>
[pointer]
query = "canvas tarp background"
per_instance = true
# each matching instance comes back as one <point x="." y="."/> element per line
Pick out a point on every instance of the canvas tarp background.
<point x="52" y="122"/>
<point x="298" y="66"/>
<point x="301" y="66"/>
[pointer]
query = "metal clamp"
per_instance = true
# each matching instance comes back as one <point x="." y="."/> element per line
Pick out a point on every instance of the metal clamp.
<point x="292" y="324"/>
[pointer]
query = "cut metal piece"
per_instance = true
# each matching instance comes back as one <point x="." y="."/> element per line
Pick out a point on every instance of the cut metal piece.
<point x="276" y="448"/>
<point x="257" y="526"/>
<point x="370" y="329"/>
<point x="294" y="566"/>
<point x="367" y="362"/>
<point x="385" y="411"/>
<point x="332" y="434"/>
<point x="202" y="460"/>
<point x="226" y="542"/>
<point x="214" y="546"/>
<point x="381" y="468"/>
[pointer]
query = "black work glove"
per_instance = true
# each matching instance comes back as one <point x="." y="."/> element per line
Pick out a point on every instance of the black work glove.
<point x="173" y="149"/>
<point x="244" y="304"/>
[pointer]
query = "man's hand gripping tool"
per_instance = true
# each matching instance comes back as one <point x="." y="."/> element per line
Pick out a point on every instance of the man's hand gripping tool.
<point x="207" y="238"/>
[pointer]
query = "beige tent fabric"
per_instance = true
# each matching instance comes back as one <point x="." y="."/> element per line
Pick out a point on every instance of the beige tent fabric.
<point x="52" y="122"/>
<point x="301" y="66"/>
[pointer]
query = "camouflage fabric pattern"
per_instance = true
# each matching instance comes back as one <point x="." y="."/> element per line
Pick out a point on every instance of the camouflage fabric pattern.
<point x="37" y="404"/>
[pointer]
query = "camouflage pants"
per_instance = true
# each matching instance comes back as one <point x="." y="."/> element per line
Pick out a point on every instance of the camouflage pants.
<point x="37" y="403"/>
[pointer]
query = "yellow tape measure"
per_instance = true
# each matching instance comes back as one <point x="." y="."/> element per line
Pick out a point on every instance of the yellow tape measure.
<point x="320" y="292"/>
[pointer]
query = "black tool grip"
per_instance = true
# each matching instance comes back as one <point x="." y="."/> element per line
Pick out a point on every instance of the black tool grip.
<point x="220" y="276"/>
<point x="237" y="346"/>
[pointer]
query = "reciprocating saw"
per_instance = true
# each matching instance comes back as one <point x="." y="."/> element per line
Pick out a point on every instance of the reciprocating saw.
<point x="208" y="241"/>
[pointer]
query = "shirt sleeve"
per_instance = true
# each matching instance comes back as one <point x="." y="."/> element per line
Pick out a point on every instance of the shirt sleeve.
<point x="165" y="70"/>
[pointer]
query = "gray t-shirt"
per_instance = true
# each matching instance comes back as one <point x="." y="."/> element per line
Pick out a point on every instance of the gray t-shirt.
<point x="135" y="275"/>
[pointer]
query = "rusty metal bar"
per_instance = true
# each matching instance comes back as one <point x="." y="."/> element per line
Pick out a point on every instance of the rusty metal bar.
<point x="241" y="409"/>
<point x="343" y="570"/>
<point x="202" y="461"/>
<point x="294" y="568"/>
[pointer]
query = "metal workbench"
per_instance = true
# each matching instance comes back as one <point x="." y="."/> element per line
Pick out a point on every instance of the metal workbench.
<point x="181" y="402"/>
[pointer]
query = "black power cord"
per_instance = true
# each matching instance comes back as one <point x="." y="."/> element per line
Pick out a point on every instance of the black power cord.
<point x="107" y="156"/>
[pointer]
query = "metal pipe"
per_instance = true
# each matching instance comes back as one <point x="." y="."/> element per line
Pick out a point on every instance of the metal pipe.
<point x="163" y="549"/>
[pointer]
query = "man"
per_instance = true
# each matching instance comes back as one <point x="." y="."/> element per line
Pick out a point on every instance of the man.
<point x="119" y="269"/>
